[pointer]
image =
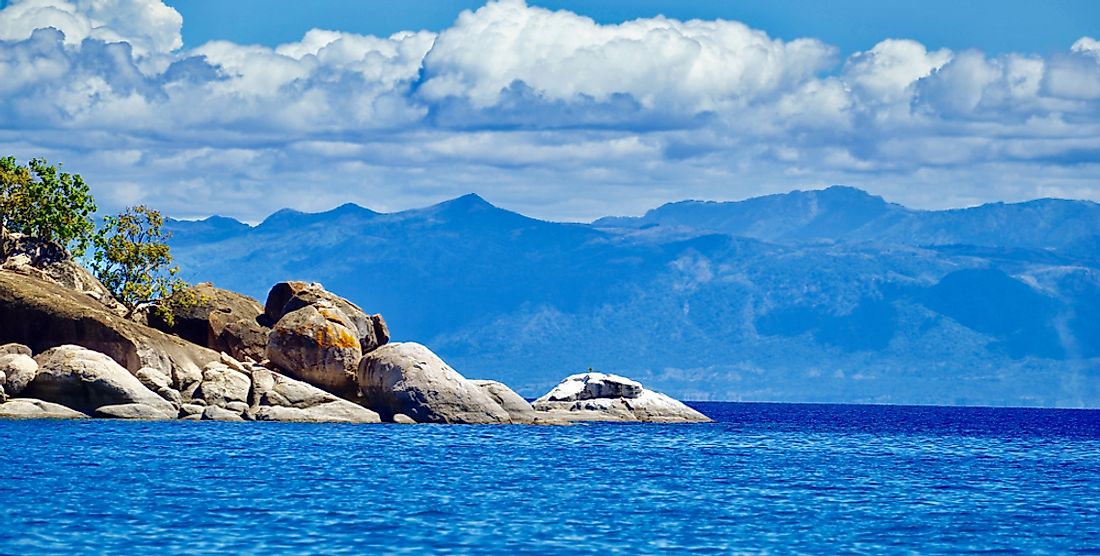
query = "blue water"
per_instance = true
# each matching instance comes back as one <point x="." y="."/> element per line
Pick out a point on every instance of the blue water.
<point x="765" y="478"/>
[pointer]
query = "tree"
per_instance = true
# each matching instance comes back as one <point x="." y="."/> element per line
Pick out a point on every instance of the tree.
<point x="132" y="259"/>
<point x="41" y="202"/>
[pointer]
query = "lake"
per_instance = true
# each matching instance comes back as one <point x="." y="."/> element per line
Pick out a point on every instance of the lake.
<point x="763" y="478"/>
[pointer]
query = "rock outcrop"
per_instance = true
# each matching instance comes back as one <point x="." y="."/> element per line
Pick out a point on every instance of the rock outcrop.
<point x="15" y="349"/>
<point x="218" y="319"/>
<point x="47" y="261"/>
<point x="519" y="410"/>
<point x="279" y="398"/>
<point x="222" y="385"/>
<point x="317" y="344"/>
<point x="288" y="297"/>
<point x="323" y="359"/>
<point x="27" y="408"/>
<point x="607" y="397"/>
<point x="86" y="380"/>
<point x="42" y="314"/>
<point x="407" y="378"/>
<point x="134" y="411"/>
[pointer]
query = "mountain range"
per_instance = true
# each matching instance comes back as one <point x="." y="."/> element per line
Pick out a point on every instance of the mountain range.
<point x="830" y="295"/>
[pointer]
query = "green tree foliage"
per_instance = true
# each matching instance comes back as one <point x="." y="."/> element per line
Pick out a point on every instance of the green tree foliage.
<point x="133" y="261"/>
<point x="41" y="202"/>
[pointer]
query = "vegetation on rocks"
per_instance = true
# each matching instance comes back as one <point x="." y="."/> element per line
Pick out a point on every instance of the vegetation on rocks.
<point x="40" y="201"/>
<point x="130" y="255"/>
<point x="133" y="261"/>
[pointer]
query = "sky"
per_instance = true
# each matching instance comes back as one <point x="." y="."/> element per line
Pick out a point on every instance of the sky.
<point x="562" y="109"/>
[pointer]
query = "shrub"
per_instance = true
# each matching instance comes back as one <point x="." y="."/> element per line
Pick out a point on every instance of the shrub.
<point x="39" y="201"/>
<point x="133" y="261"/>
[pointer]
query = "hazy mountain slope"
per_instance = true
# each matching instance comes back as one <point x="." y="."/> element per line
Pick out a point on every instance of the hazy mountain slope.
<point x="846" y="214"/>
<point x="703" y="315"/>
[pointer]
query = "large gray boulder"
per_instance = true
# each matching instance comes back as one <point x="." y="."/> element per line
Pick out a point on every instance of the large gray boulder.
<point x="85" y="380"/>
<point x="287" y="297"/>
<point x="407" y="378"/>
<point x="222" y="385"/>
<point x="607" y="397"/>
<point x="27" y="408"/>
<point x="317" y="344"/>
<point x="19" y="370"/>
<point x="279" y="398"/>
<point x="519" y="410"/>
<point x="133" y="411"/>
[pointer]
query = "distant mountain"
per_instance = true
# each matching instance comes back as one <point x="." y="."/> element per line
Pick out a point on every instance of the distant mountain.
<point x="842" y="213"/>
<point x="831" y="295"/>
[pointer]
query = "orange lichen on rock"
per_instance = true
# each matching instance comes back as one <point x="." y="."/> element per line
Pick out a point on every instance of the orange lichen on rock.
<point x="335" y="336"/>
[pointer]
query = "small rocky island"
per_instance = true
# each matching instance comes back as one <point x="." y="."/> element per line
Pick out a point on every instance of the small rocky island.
<point x="306" y="355"/>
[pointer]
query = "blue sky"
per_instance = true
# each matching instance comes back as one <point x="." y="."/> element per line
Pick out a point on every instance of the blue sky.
<point x="559" y="109"/>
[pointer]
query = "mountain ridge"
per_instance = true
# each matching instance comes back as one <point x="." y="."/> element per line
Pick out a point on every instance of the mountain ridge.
<point x="821" y="308"/>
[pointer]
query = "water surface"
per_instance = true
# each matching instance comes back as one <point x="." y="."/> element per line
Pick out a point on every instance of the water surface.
<point x="764" y="478"/>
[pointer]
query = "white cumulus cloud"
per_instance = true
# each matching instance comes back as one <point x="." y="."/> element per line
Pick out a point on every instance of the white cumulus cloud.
<point x="548" y="112"/>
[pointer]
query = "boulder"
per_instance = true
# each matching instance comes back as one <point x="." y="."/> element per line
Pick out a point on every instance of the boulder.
<point x="287" y="297"/>
<point x="519" y="410"/>
<point x="191" y="409"/>
<point x="158" y="384"/>
<point x="50" y="262"/>
<point x="85" y="380"/>
<point x="606" y="397"/>
<point x="222" y="385"/>
<point x="590" y="386"/>
<point x="215" y="413"/>
<point x="339" y="411"/>
<point x="408" y="378"/>
<point x="15" y="349"/>
<point x="218" y="319"/>
<point x="136" y="411"/>
<point x="26" y="408"/>
<point x="237" y="407"/>
<point x="402" y="419"/>
<point x="42" y="315"/>
<point x="279" y="398"/>
<point x="19" y="370"/>
<point x="319" y="345"/>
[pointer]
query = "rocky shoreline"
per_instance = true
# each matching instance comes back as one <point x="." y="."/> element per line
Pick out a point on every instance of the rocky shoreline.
<point x="305" y="355"/>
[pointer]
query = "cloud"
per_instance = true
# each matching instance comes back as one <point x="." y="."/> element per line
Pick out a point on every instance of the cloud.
<point x="149" y="26"/>
<point x="542" y="111"/>
<point x="664" y="64"/>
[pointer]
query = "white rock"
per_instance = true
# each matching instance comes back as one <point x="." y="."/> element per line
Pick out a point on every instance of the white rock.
<point x="606" y="397"/>
<point x="589" y="386"/>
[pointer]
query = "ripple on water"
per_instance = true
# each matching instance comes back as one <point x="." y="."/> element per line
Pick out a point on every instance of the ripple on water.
<point x="766" y="477"/>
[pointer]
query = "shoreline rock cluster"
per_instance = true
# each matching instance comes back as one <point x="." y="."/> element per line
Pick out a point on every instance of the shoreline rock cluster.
<point x="305" y="355"/>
